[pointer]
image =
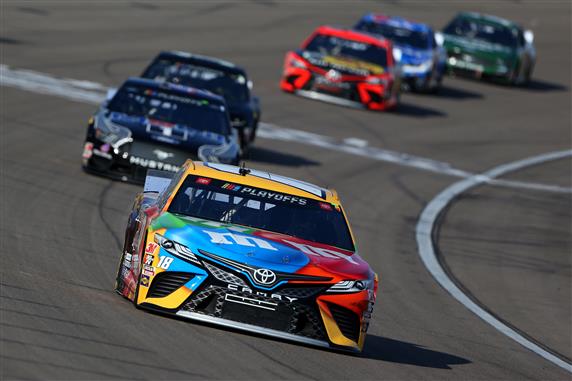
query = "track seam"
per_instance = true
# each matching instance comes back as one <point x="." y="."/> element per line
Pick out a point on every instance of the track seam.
<point x="427" y="230"/>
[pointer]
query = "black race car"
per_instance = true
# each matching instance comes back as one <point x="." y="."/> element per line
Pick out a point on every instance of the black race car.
<point x="217" y="76"/>
<point x="152" y="125"/>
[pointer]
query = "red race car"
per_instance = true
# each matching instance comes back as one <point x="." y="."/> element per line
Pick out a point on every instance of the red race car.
<point x="344" y="67"/>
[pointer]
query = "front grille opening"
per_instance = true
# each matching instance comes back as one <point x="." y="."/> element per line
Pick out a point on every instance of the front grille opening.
<point x="375" y="97"/>
<point x="167" y="282"/>
<point x="347" y="320"/>
<point x="207" y="305"/>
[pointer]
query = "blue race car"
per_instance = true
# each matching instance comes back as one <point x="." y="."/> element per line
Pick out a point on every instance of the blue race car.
<point x="152" y="125"/>
<point x="418" y="50"/>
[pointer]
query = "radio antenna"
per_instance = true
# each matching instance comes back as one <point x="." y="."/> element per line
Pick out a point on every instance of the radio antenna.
<point x="243" y="171"/>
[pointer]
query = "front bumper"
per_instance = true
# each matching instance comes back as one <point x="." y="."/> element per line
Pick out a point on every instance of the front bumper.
<point x="464" y="64"/>
<point x="214" y="293"/>
<point x="131" y="162"/>
<point x="359" y="94"/>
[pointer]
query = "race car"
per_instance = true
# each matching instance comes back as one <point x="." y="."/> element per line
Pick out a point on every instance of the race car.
<point x="421" y="57"/>
<point x="151" y="125"/>
<point x="249" y="250"/>
<point x="489" y="46"/>
<point x="344" y="67"/>
<point x="217" y="76"/>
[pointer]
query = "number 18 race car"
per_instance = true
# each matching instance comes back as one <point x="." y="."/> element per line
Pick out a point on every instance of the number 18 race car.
<point x="248" y="250"/>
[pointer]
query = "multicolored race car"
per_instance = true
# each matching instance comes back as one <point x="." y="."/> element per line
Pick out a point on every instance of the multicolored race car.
<point x="489" y="46"/>
<point x="152" y="125"/>
<point x="421" y="56"/>
<point x="249" y="250"/>
<point x="344" y="67"/>
<point x="217" y="76"/>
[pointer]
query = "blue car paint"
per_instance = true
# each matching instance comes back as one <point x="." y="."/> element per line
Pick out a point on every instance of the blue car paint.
<point x="412" y="56"/>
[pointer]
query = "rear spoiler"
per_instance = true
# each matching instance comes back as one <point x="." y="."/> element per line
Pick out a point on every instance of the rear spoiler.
<point x="157" y="181"/>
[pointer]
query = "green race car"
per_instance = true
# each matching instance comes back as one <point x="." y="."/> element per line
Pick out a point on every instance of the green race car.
<point x="489" y="46"/>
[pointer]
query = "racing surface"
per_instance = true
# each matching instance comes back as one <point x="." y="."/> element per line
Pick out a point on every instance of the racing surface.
<point x="509" y="247"/>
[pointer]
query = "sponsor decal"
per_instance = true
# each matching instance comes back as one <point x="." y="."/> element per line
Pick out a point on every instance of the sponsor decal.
<point x="274" y="196"/>
<point x="105" y="148"/>
<point x="100" y="153"/>
<point x="145" y="280"/>
<point x="203" y="180"/>
<point x="152" y="164"/>
<point x="87" y="150"/>
<point x="149" y="259"/>
<point x="162" y="155"/>
<point x="271" y="306"/>
<point x="320" y="252"/>
<point x="246" y="290"/>
<point x="264" y="276"/>
<point x="148" y="270"/>
<point x="238" y="239"/>
<point x="151" y="247"/>
<point x="127" y="260"/>
<point x="232" y="187"/>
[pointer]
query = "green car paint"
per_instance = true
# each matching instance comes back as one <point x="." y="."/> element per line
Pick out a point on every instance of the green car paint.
<point x="489" y="46"/>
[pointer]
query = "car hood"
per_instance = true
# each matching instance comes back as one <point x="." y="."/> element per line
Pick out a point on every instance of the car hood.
<point x="413" y="56"/>
<point x="456" y="44"/>
<point x="261" y="249"/>
<point x="146" y="129"/>
<point x="345" y="65"/>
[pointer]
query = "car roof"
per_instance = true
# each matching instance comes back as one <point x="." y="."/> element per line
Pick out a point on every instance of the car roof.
<point x="398" y="22"/>
<point x="488" y="18"/>
<point x="354" y="35"/>
<point x="212" y="62"/>
<point x="261" y="179"/>
<point x="176" y="88"/>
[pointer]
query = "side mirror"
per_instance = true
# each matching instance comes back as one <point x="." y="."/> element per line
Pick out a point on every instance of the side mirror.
<point x="439" y="38"/>
<point x="110" y="93"/>
<point x="151" y="211"/>
<point x="528" y="37"/>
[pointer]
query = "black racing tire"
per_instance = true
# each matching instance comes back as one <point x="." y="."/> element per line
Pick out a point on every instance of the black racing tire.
<point x="252" y="136"/>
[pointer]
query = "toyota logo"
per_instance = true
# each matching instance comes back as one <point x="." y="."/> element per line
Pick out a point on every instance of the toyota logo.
<point x="264" y="276"/>
<point x="333" y="75"/>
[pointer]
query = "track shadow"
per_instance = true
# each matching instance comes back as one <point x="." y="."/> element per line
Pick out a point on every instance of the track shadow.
<point x="417" y="111"/>
<point x="534" y="85"/>
<point x="401" y="352"/>
<point x="264" y="155"/>
<point x="456" y="93"/>
<point x="10" y="41"/>
<point x="541" y="86"/>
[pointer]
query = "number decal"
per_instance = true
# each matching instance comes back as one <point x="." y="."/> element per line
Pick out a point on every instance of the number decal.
<point x="164" y="262"/>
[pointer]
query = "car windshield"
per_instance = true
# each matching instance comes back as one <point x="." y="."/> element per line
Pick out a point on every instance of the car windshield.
<point x="400" y="36"/>
<point x="232" y="86"/>
<point x="481" y="30"/>
<point x="300" y="217"/>
<point x="340" y="47"/>
<point x="165" y="106"/>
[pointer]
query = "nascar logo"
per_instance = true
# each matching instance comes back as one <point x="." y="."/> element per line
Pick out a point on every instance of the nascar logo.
<point x="232" y="187"/>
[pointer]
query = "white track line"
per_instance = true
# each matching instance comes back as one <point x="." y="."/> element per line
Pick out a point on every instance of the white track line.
<point x="94" y="93"/>
<point x="424" y="231"/>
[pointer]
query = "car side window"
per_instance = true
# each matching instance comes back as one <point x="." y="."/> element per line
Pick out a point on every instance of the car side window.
<point x="171" y="188"/>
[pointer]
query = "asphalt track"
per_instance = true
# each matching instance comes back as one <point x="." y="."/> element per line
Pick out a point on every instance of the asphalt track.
<point x="508" y="247"/>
